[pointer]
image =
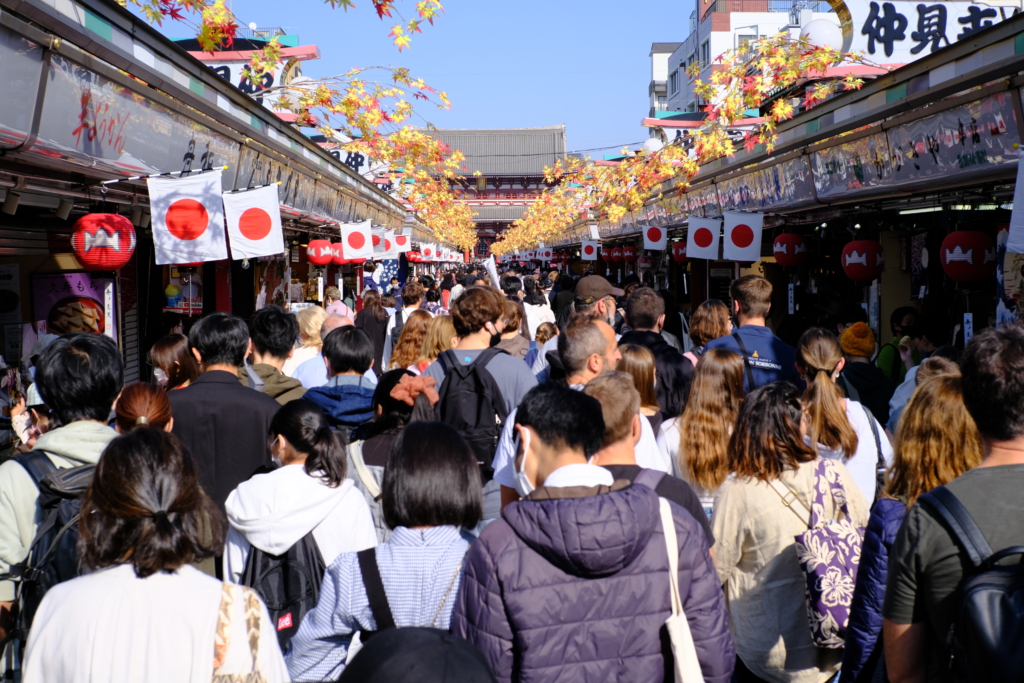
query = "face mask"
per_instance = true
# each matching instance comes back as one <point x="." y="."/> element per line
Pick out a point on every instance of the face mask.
<point x="524" y="486"/>
<point x="161" y="377"/>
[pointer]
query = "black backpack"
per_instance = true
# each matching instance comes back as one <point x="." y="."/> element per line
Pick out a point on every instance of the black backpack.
<point x="289" y="584"/>
<point x="471" y="402"/>
<point x="984" y="638"/>
<point x="53" y="554"/>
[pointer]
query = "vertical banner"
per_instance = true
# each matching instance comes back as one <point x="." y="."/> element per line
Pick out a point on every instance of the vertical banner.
<point x="357" y="240"/>
<point x="588" y="250"/>
<point x="655" y="238"/>
<point x="188" y="218"/>
<point x="742" y="236"/>
<point x="702" y="237"/>
<point x="254" y="222"/>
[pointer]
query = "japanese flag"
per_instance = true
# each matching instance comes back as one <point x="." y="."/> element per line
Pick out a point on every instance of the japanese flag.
<point x="403" y="243"/>
<point x="356" y="238"/>
<point x="428" y="251"/>
<point x="702" y="237"/>
<point x="655" y="238"/>
<point x="742" y="236"/>
<point x="254" y="223"/>
<point x="390" y="249"/>
<point x="188" y="218"/>
<point x="588" y="250"/>
<point x="544" y="253"/>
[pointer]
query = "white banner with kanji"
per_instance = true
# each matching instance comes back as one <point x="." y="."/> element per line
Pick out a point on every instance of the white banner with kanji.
<point x="742" y="236"/>
<point x="254" y="222"/>
<point x="357" y="240"/>
<point x="188" y="218"/>
<point x="588" y="250"/>
<point x="702" y="237"/>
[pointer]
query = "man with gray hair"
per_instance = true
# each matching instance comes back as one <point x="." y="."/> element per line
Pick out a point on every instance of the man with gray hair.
<point x="313" y="372"/>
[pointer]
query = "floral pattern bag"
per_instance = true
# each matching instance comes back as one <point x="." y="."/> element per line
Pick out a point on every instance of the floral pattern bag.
<point x="829" y="554"/>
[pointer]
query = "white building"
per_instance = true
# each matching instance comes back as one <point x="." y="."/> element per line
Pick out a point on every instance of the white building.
<point x="660" y="52"/>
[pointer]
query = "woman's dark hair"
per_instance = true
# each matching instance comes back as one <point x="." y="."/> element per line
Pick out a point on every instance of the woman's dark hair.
<point x="145" y="507"/>
<point x="432" y="295"/>
<point x="767" y="439"/>
<point x="172" y="355"/>
<point x="372" y="302"/>
<point x="80" y="376"/>
<point x="432" y="479"/>
<point x="303" y="424"/>
<point x="534" y="295"/>
<point x="142" y="404"/>
<point x="394" y="414"/>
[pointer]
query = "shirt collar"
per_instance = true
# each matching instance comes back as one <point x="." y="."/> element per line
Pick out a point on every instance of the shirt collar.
<point x="580" y="474"/>
<point x="435" y="535"/>
<point x="346" y="380"/>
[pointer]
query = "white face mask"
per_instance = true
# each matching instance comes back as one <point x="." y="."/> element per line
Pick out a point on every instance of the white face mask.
<point x="161" y="377"/>
<point x="524" y="486"/>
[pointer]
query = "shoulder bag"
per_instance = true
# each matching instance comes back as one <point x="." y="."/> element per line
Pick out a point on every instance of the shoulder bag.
<point x="237" y="602"/>
<point x="684" y="652"/>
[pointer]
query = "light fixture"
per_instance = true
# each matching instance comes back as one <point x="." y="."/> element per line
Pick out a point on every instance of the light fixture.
<point x="824" y="225"/>
<point x="930" y="209"/>
<point x="856" y="226"/>
<point x="64" y="209"/>
<point x="10" y="206"/>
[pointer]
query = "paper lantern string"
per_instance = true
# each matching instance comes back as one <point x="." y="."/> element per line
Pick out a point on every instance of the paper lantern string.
<point x="163" y="175"/>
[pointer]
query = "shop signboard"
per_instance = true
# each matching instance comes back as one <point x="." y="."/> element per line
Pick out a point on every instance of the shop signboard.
<point x="704" y="202"/>
<point x="971" y="140"/>
<point x="786" y="185"/>
<point x="75" y="302"/>
<point x="900" y="32"/>
<point x="860" y="167"/>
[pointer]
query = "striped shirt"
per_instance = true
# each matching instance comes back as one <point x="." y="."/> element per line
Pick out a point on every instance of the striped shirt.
<point x="416" y="566"/>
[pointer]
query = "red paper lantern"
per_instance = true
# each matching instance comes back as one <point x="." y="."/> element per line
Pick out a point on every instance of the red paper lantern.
<point x="863" y="260"/>
<point x="679" y="253"/>
<point x="968" y="255"/>
<point x="790" y="249"/>
<point x="357" y="261"/>
<point x="339" y="254"/>
<point x="615" y="254"/>
<point x="320" y="252"/>
<point x="629" y="254"/>
<point x="103" y="241"/>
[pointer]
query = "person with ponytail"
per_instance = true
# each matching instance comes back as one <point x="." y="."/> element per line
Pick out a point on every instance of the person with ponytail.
<point x="307" y="494"/>
<point x="144" y="612"/>
<point x="840" y="428"/>
<point x="143" y="405"/>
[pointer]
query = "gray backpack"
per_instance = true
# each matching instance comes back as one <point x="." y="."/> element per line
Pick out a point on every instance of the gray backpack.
<point x="368" y="478"/>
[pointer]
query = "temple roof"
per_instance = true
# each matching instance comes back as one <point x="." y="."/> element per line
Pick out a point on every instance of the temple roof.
<point x="505" y="151"/>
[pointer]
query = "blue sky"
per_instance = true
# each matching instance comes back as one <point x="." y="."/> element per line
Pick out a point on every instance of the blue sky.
<point x="504" y="64"/>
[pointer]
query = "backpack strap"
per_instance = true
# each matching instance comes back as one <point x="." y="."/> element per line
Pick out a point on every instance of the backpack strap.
<point x="746" y="361"/>
<point x="958" y="520"/>
<point x="878" y="438"/>
<point x="379" y="606"/>
<point x="355" y="449"/>
<point x="37" y="464"/>
<point x="255" y="381"/>
<point x="649" y="478"/>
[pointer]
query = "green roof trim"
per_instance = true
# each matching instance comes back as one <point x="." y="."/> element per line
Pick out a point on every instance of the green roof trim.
<point x="99" y="25"/>
<point x="897" y="92"/>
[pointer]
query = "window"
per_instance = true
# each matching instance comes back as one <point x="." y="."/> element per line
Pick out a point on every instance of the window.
<point x="690" y="60"/>
<point x="673" y="82"/>
<point x="705" y="53"/>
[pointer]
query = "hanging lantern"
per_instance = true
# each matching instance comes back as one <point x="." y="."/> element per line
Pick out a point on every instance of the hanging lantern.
<point x="338" y="250"/>
<point x="357" y="261"/>
<point x="615" y="254"/>
<point x="629" y="254"/>
<point x="320" y="252"/>
<point x="863" y="260"/>
<point x="790" y="249"/>
<point x="968" y="255"/>
<point x="679" y="253"/>
<point x="103" y="241"/>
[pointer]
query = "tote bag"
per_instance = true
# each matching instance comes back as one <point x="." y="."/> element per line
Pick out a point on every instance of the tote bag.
<point x="687" y="666"/>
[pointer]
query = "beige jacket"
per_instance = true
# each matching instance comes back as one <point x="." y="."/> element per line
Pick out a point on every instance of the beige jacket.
<point x="755" y="554"/>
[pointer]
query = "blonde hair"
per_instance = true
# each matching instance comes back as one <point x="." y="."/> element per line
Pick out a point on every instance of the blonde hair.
<point x="545" y="331"/>
<point x="818" y="354"/>
<point x="440" y="331"/>
<point x="936" y="442"/>
<point x="620" y="403"/>
<point x="310" y="320"/>
<point x="638" y="362"/>
<point x="708" y="418"/>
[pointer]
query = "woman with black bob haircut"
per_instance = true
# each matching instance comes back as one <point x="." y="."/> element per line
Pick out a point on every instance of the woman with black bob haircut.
<point x="431" y="492"/>
<point x="145" y="613"/>
<point x="306" y="495"/>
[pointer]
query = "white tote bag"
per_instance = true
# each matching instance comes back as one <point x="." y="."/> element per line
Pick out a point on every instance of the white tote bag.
<point x="687" y="666"/>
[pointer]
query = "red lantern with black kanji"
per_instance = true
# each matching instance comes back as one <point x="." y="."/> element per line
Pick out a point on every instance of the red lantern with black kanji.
<point x="320" y="252"/>
<point x="615" y="254"/>
<point x="863" y="260"/>
<point x="338" y="250"/>
<point x="679" y="253"/>
<point x="790" y="249"/>
<point x="103" y="241"/>
<point x="968" y="255"/>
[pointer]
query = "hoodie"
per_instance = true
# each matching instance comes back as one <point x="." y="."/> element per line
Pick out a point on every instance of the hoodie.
<point x="565" y="586"/>
<point x="345" y="404"/>
<point x="274" y="511"/>
<point x="79" y="443"/>
<point x="276" y="384"/>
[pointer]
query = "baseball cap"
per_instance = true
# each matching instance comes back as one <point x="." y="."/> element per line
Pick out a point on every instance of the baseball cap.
<point x="594" y="288"/>
<point x="417" y="655"/>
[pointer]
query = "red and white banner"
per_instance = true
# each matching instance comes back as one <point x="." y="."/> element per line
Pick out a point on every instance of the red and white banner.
<point x="428" y="250"/>
<point x="742" y="236"/>
<point x="702" y="237"/>
<point x="588" y="250"/>
<point x="655" y="238"/>
<point x="188" y="218"/>
<point x="403" y="243"/>
<point x="254" y="222"/>
<point x="545" y="253"/>
<point x="390" y="250"/>
<point x="357" y="240"/>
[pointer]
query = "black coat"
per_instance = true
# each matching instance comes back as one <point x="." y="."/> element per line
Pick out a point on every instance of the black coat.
<point x="674" y="371"/>
<point x="226" y="427"/>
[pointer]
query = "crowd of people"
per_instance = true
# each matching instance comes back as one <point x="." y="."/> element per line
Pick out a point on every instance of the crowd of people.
<point x="537" y="479"/>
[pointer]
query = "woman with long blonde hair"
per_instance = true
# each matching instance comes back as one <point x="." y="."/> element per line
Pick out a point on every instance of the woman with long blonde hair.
<point x="310" y="319"/>
<point x="410" y="342"/>
<point x="638" y="362"/>
<point x="440" y="337"/>
<point x="697" y="441"/>
<point x="840" y="428"/>
<point x="937" y="441"/>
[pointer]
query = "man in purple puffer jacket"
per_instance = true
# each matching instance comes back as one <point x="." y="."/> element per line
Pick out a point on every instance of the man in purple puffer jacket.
<point x="571" y="584"/>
